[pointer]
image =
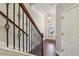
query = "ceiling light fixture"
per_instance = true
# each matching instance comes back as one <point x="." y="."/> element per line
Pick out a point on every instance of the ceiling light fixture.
<point x="49" y="16"/>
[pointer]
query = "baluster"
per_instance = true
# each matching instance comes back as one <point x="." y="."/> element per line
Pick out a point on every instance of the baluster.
<point x="32" y="38"/>
<point x="19" y="34"/>
<point x="23" y="30"/>
<point x="13" y="26"/>
<point x="34" y="41"/>
<point x="35" y="37"/>
<point x="42" y="44"/>
<point x="26" y="32"/>
<point x="29" y="35"/>
<point x="7" y="26"/>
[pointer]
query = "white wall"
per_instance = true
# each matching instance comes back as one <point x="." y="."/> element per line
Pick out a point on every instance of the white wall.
<point x="38" y="19"/>
<point x="58" y="28"/>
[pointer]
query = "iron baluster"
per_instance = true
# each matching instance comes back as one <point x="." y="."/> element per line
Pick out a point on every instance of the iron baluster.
<point x="13" y="26"/>
<point x="19" y="34"/>
<point x="26" y="32"/>
<point x="23" y="30"/>
<point x="29" y="35"/>
<point x="7" y="26"/>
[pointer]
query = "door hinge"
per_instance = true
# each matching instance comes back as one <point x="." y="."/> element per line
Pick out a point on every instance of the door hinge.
<point x="62" y="49"/>
<point x="62" y="34"/>
<point x="62" y="17"/>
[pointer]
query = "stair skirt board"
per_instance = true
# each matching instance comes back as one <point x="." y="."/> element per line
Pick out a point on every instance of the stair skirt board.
<point x="4" y="51"/>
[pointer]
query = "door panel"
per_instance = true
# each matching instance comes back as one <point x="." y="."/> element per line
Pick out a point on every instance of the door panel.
<point x="68" y="27"/>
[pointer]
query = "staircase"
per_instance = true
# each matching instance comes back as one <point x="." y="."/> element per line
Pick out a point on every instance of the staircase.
<point x="18" y="32"/>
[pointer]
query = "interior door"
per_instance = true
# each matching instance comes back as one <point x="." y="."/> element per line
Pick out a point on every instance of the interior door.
<point x="77" y="30"/>
<point x="68" y="28"/>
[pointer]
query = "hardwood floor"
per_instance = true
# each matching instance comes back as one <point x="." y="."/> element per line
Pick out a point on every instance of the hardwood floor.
<point x="37" y="50"/>
<point x="48" y="48"/>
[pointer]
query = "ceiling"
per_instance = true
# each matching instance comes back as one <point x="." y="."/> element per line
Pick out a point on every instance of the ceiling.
<point x="43" y="8"/>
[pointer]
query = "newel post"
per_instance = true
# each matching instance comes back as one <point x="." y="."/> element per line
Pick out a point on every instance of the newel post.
<point x="42" y="44"/>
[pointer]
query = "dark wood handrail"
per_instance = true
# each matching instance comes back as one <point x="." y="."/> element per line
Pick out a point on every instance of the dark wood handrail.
<point x="29" y="16"/>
